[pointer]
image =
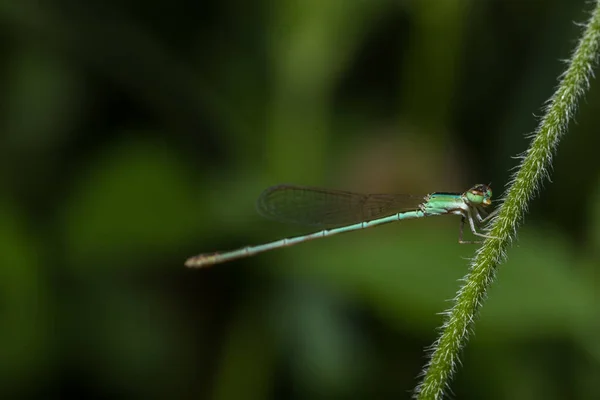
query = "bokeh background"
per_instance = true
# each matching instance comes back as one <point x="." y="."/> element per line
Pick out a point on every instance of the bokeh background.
<point x="137" y="133"/>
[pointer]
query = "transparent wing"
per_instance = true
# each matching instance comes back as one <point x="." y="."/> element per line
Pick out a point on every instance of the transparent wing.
<point x="325" y="207"/>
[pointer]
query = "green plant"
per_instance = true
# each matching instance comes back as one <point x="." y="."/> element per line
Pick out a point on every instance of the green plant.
<point x="525" y="183"/>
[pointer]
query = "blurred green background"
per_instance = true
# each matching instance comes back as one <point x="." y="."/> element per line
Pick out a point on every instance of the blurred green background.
<point x="135" y="134"/>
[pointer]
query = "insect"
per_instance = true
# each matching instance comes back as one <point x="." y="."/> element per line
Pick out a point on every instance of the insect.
<point x="342" y="211"/>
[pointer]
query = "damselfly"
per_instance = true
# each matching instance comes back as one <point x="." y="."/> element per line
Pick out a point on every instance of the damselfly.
<point x="341" y="211"/>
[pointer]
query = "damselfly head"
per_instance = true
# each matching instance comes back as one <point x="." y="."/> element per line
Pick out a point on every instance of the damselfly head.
<point x="479" y="195"/>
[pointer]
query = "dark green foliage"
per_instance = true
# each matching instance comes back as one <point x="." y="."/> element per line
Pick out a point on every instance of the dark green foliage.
<point x="135" y="134"/>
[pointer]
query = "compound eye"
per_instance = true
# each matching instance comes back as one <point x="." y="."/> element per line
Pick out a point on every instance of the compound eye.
<point x="475" y="197"/>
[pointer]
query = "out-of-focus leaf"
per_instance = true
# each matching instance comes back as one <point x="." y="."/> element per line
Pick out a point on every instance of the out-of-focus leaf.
<point x="594" y="218"/>
<point x="125" y="335"/>
<point x="248" y="358"/>
<point x="514" y="374"/>
<point x="320" y="339"/>
<point x="135" y="198"/>
<point x="431" y="65"/>
<point x="26" y="318"/>
<point x="311" y="43"/>
<point x="43" y="99"/>
<point x="540" y="291"/>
